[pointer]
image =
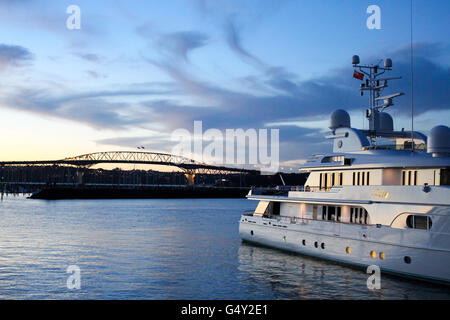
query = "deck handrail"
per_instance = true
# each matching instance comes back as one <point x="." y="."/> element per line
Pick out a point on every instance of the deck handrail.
<point x="294" y="220"/>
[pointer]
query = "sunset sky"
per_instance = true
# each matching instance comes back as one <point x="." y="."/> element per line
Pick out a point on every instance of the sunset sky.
<point x="137" y="70"/>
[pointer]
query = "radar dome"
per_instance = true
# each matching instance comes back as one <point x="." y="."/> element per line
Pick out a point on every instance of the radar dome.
<point x="439" y="141"/>
<point x="339" y="119"/>
<point x="386" y="122"/>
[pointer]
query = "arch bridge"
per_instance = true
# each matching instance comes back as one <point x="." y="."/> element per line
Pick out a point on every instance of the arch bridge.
<point x="189" y="166"/>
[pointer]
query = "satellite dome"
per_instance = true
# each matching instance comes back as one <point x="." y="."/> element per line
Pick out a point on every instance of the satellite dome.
<point x="439" y="141"/>
<point x="386" y="122"/>
<point x="339" y="119"/>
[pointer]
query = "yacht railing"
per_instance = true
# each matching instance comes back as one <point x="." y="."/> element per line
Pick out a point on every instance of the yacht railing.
<point x="420" y="146"/>
<point x="294" y="220"/>
<point x="313" y="188"/>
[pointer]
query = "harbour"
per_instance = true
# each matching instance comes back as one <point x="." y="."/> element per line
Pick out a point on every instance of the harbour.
<point x="161" y="249"/>
<point x="225" y="159"/>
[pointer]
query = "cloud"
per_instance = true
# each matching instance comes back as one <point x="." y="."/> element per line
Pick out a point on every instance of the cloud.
<point x="175" y="46"/>
<point x="90" y="57"/>
<point x="181" y="43"/>
<point x="290" y="99"/>
<point x="15" y="56"/>
<point x="234" y="41"/>
<point x="93" y="74"/>
<point x="153" y="142"/>
<point x="282" y="97"/>
<point x="97" y="109"/>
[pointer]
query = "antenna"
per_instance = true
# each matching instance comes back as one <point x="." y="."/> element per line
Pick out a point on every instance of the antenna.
<point x="412" y="81"/>
<point x="375" y="85"/>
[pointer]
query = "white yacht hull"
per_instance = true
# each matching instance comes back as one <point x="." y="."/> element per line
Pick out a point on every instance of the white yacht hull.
<point x="399" y="246"/>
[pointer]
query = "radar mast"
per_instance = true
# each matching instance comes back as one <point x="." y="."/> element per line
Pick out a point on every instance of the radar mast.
<point x="375" y="85"/>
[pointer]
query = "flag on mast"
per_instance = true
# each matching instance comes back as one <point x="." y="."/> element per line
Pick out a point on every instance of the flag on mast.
<point x="358" y="75"/>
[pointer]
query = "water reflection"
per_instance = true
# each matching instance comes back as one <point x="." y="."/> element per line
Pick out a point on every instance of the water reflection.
<point x="293" y="276"/>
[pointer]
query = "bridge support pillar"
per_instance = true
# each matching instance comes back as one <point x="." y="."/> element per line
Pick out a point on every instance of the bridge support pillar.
<point x="79" y="176"/>
<point x="190" y="177"/>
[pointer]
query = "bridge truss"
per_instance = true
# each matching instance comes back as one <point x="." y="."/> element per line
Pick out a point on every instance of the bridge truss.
<point x="189" y="166"/>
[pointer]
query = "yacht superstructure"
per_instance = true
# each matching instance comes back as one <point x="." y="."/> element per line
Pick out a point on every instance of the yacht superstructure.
<point x="382" y="197"/>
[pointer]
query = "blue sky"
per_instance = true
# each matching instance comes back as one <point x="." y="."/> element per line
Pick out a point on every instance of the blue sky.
<point x="137" y="70"/>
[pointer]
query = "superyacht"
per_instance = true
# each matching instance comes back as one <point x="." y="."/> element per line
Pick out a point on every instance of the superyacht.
<point x="382" y="197"/>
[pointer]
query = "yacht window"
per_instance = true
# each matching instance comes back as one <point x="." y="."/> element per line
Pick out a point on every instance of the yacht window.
<point x="351" y="214"/>
<point x="333" y="179"/>
<point x="419" y="222"/>
<point x="362" y="178"/>
<point x="338" y="214"/>
<point x="415" y="178"/>
<point x="331" y="213"/>
<point x="320" y="181"/>
<point x="409" y="178"/>
<point x="354" y="178"/>
<point x="445" y="177"/>
<point x="276" y="208"/>
<point x="368" y="178"/>
<point x="359" y="175"/>
<point x="404" y="178"/>
<point x="324" y="212"/>
<point x="341" y="178"/>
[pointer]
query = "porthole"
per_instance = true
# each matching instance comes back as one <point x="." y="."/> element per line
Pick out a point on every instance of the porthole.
<point x="304" y="242"/>
<point x="348" y="250"/>
<point x="322" y="245"/>
<point x="316" y="244"/>
<point x="251" y="232"/>
<point x="407" y="259"/>
<point x="382" y="256"/>
<point x="373" y="254"/>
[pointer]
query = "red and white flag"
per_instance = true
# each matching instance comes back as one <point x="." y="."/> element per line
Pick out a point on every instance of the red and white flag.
<point x="358" y="75"/>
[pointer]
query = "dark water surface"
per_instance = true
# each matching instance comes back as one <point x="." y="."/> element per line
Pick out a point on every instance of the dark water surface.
<point x="164" y="249"/>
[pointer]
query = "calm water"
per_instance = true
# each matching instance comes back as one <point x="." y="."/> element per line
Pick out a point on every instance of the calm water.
<point x="164" y="249"/>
